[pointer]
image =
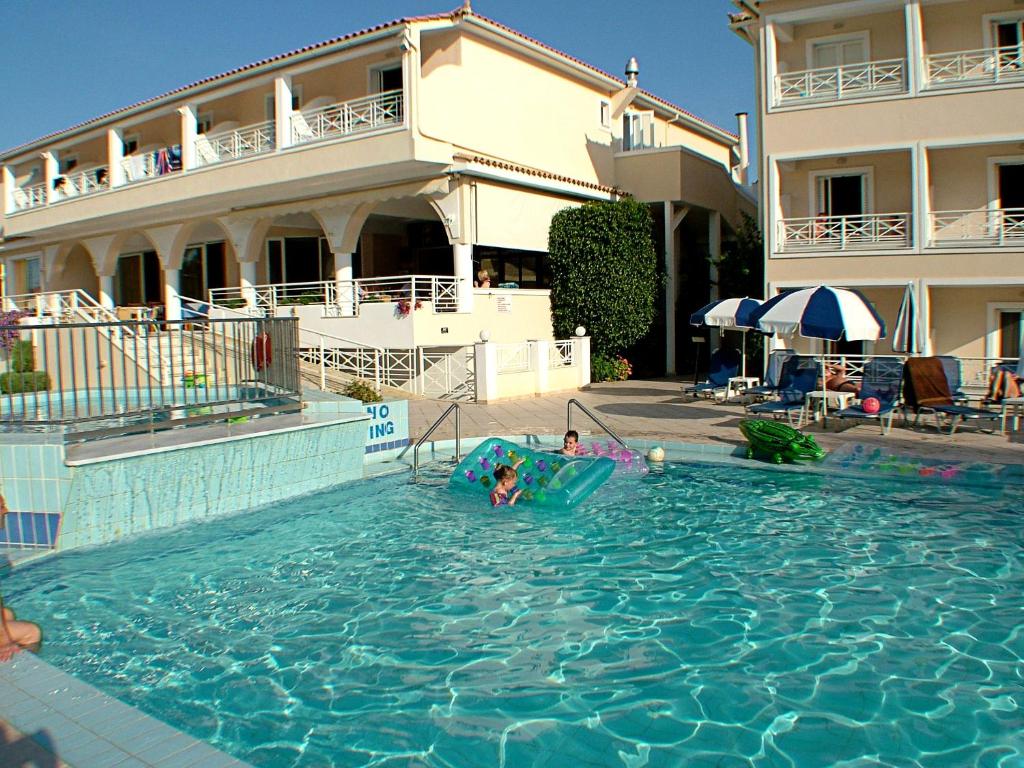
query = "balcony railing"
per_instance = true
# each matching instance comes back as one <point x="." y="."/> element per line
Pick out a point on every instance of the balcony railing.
<point x="841" y="233"/>
<point x="368" y="113"/>
<point x="850" y="81"/>
<point x="342" y="298"/>
<point x="992" y="227"/>
<point x="231" y="145"/>
<point x="26" y="198"/>
<point x="980" y="67"/>
<point x="149" y="165"/>
<point x="84" y="182"/>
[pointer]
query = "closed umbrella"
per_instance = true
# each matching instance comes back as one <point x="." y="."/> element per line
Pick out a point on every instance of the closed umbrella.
<point x="821" y="313"/>
<point x="906" y="335"/>
<point x="732" y="314"/>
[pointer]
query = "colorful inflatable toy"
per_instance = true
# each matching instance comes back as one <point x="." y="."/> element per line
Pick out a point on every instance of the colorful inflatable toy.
<point x="626" y="459"/>
<point x="547" y="479"/>
<point x="780" y="442"/>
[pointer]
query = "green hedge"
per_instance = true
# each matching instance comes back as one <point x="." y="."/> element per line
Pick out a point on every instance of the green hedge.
<point x="604" y="273"/>
<point x="17" y="381"/>
<point x="23" y="357"/>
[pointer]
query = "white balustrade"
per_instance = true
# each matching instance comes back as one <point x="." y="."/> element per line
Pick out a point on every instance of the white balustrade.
<point x="872" y="230"/>
<point x="996" y="226"/>
<point x="234" y="144"/>
<point x="562" y="353"/>
<point x="979" y="67"/>
<point x="85" y="182"/>
<point x="26" y="198"/>
<point x="850" y="81"/>
<point x="380" y="110"/>
<point x="514" y="358"/>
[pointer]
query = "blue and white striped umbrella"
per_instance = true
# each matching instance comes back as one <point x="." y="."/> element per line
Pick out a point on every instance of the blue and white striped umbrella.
<point x="821" y="313"/>
<point x="726" y="313"/>
<point x="907" y="335"/>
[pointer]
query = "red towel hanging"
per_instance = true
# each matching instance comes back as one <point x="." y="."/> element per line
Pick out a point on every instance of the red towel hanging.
<point x="262" y="353"/>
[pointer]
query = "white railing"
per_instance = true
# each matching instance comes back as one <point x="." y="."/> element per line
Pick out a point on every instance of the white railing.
<point x="871" y="230"/>
<point x="367" y="113"/>
<point x="997" y="226"/>
<point x="849" y="81"/>
<point x="979" y="67"/>
<point x="231" y="145"/>
<point x="78" y="183"/>
<point x="148" y="165"/>
<point x="74" y="306"/>
<point x="514" y="358"/>
<point x="26" y="198"/>
<point x="562" y="353"/>
<point x="344" y="298"/>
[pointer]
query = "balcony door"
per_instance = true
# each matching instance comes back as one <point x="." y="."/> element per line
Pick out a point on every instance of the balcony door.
<point x="838" y="52"/>
<point x="842" y="195"/>
<point x="202" y="268"/>
<point x="1008" y="35"/>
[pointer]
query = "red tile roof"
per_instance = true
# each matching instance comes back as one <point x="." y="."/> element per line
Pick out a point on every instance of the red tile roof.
<point x="506" y="166"/>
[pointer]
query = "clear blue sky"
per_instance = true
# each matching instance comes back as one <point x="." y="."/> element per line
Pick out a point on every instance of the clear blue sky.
<point x="65" y="61"/>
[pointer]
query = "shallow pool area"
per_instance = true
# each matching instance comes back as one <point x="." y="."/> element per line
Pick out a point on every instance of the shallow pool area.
<point x="703" y="615"/>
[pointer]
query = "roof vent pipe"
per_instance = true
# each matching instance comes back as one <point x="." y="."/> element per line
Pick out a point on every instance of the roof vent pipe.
<point x="632" y="71"/>
<point x="742" y="146"/>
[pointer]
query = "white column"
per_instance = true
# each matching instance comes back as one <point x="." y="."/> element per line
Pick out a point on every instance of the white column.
<point x="540" y="353"/>
<point x="189" y="127"/>
<point x="107" y="291"/>
<point x="924" y="310"/>
<point x="115" y="154"/>
<point x="51" y="170"/>
<point x="920" y="178"/>
<point x="771" y="64"/>
<point x="583" y="349"/>
<point x="670" y="288"/>
<point x="172" y="301"/>
<point x="344" y="287"/>
<point x="915" y="47"/>
<point x="462" y="253"/>
<point x="247" y="281"/>
<point x="283" y="111"/>
<point x="8" y="182"/>
<point x="714" y="252"/>
<point x="486" y="372"/>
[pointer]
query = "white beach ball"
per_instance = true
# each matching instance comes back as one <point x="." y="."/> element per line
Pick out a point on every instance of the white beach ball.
<point x="657" y="453"/>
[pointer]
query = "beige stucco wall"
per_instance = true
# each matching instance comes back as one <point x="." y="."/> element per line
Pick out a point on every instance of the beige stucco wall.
<point x="886" y="38"/>
<point x="155" y="131"/>
<point x="960" y="317"/>
<point x="891" y="188"/>
<point x="245" y="108"/>
<point x="959" y="177"/>
<point x="949" y="27"/>
<point x="509" y="315"/>
<point x="75" y="272"/>
<point x="91" y="151"/>
<point x="344" y="80"/>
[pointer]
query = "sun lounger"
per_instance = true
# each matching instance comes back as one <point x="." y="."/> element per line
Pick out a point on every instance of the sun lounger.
<point x="773" y="371"/>
<point x="882" y="380"/>
<point x="799" y="376"/>
<point x="724" y="365"/>
<point x="926" y="390"/>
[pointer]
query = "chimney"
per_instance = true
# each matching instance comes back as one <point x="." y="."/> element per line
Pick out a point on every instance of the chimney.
<point x="632" y="70"/>
<point x="742" y="146"/>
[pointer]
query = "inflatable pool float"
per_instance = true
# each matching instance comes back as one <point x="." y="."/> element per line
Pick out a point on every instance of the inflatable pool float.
<point x="627" y="461"/>
<point x="778" y="441"/>
<point x="547" y="479"/>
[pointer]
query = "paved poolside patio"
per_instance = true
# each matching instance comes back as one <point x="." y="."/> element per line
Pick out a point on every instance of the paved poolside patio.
<point x="657" y="409"/>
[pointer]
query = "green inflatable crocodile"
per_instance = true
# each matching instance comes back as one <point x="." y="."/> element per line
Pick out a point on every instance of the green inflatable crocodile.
<point x="779" y="441"/>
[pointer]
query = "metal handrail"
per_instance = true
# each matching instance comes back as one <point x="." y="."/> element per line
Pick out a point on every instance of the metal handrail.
<point x="429" y="432"/>
<point x="568" y="420"/>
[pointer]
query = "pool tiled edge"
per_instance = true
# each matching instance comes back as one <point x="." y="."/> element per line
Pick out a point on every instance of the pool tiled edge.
<point x="86" y="728"/>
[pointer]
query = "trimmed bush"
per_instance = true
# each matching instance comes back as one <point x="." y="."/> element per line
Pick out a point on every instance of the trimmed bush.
<point x="18" y="381"/>
<point x="361" y="390"/>
<point x="604" y="273"/>
<point x="23" y="357"/>
<point x="605" y="368"/>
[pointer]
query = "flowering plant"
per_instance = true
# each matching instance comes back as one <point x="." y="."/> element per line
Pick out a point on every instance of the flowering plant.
<point x="8" y="328"/>
<point x="605" y="368"/>
<point x="405" y="306"/>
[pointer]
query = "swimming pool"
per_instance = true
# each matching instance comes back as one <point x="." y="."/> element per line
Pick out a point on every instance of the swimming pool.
<point x="705" y="615"/>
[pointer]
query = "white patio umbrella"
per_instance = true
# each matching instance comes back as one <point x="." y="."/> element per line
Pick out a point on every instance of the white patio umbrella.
<point x="821" y="313"/>
<point x="732" y="314"/>
<point x="907" y="335"/>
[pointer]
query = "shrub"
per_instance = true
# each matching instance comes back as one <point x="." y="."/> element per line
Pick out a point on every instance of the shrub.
<point x="361" y="390"/>
<point x="604" y="273"/>
<point x="23" y="357"/>
<point x="605" y="368"/>
<point x="16" y="381"/>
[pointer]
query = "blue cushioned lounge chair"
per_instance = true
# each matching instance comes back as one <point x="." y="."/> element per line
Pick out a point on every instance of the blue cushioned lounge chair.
<point x="882" y="380"/>
<point x="724" y="365"/>
<point x="926" y="389"/>
<point x="772" y="373"/>
<point x="799" y="376"/>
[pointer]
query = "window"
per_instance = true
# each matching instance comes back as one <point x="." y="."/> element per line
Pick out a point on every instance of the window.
<point x="268" y="102"/>
<point x="637" y="130"/>
<point x="129" y="143"/>
<point x="386" y="78"/>
<point x="202" y="268"/>
<point x="837" y="51"/>
<point x="841" y="193"/>
<point x="204" y="122"/>
<point x="299" y="260"/>
<point x="33" y="276"/>
<point x="68" y="163"/>
<point x="606" y="114"/>
<point x="528" y="269"/>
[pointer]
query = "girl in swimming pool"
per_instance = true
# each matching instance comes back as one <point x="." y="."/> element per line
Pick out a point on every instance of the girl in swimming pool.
<point x="505" y="492"/>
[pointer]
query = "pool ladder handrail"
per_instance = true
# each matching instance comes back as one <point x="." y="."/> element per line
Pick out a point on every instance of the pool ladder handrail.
<point x="429" y="432"/>
<point x="593" y="417"/>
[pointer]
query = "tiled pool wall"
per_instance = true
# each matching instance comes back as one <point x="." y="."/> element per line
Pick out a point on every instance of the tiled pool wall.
<point x="102" y="500"/>
<point x="388" y="428"/>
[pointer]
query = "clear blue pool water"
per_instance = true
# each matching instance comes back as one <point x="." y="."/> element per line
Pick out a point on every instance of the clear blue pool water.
<point x="701" y="616"/>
